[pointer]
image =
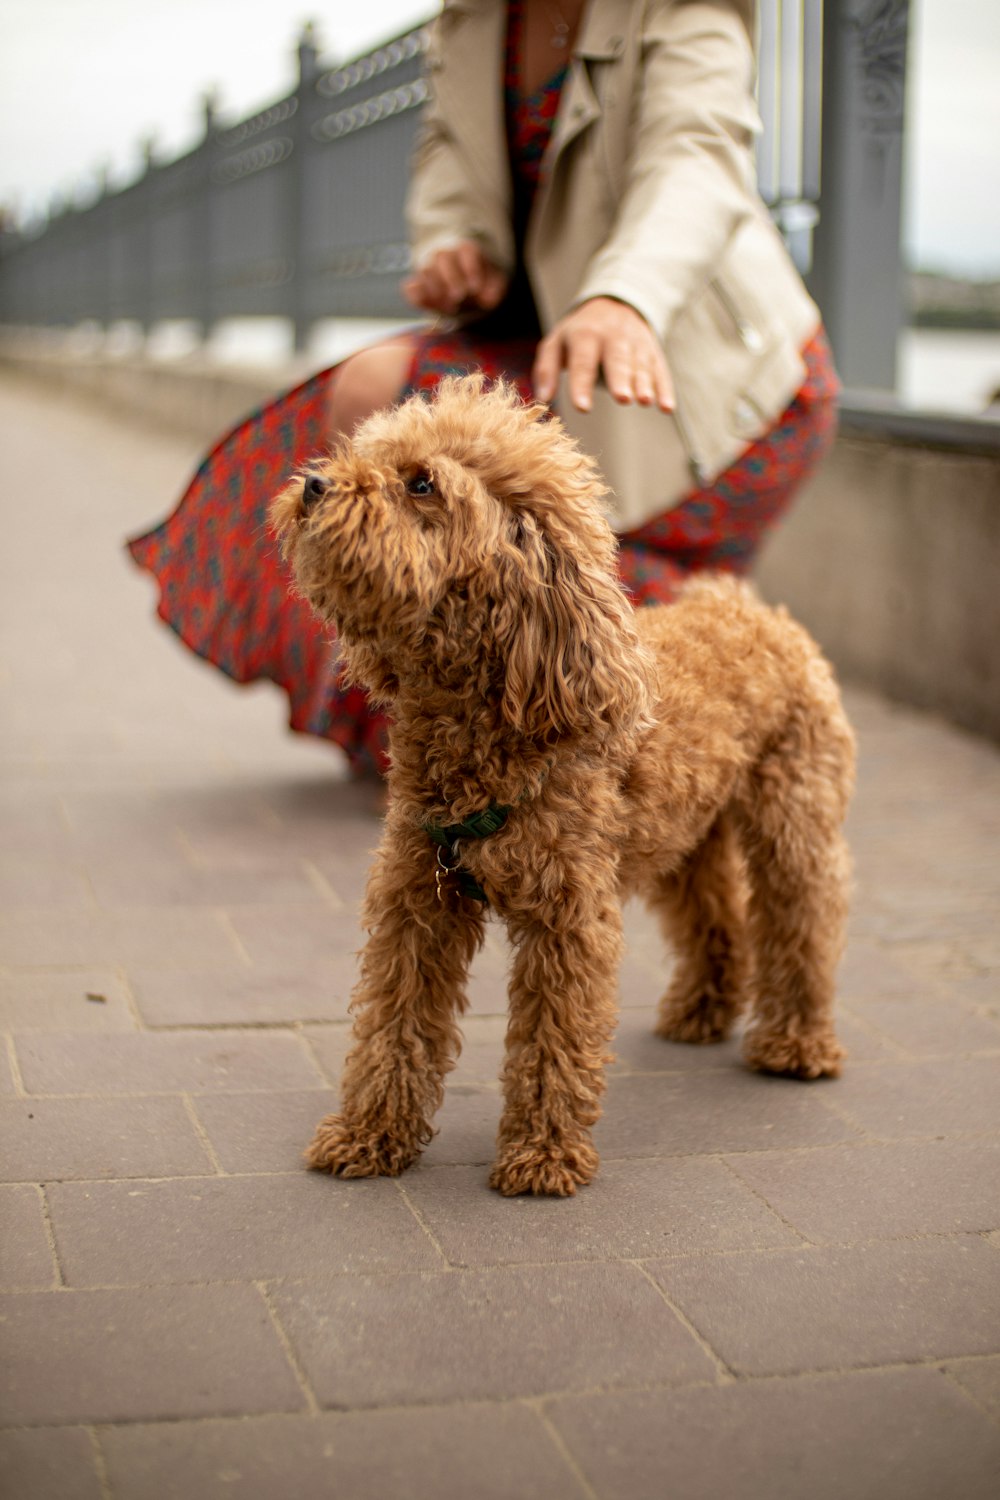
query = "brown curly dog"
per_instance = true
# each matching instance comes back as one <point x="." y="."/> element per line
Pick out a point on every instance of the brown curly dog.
<point x="552" y="751"/>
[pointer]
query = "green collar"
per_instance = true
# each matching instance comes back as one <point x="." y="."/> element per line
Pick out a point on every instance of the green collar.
<point x="478" y="826"/>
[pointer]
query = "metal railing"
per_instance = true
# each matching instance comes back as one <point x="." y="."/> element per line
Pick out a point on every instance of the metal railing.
<point x="297" y="211"/>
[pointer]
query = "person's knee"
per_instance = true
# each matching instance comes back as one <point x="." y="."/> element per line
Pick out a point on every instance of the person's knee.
<point x="366" y="382"/>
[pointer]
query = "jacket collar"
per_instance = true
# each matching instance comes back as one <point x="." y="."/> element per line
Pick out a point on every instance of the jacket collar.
<point x="478" y="103"/>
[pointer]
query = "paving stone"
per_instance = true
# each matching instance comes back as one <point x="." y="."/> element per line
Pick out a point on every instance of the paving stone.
<point x="137" y="880"/>
<point x="939" y="1027"/>
<point x="641" y="980"/>
<point x="633" y="1209"/>
<point x="194" y="1062"/>
<point x="280" y="933"/>
<point x="860" y="1039"/>
<point x="849" y="1193"/>
<point x="162" y="939"/>
<point x="268" y="1132"/>
<point x="265" y="1132"/>
<point x="490" y="1452"/>
<point x="638" y="1049"/>
<point x="8" y="1088"/>
<point x="37" y="881"/>
<point x="715" y="1111"/>
<point x="868" y="971"/>
<point x="258" y="995"/>
<point x="330" y="1046"/>
<point x="33" y="822"/>
<point x="948" y="1096"/>
<point x="783" y="1312"/>
<point x="49" y="1139"/>
<point x="58" y="1000"/>
<point x="319" y="832"/>
<point x="481" y="1058"/>
<point x="233" y="1228"/>
<point x="25" y="1254"/>
<point x="141" y="1354"/>
<point x="493" y="1334"/>
<point x="479" y="1063"/>
<point x="48" y="1463"/>
<point x="979" y="989"/>
<point x="644" y="936"/>
<point x="892" y="1435"/>
<point x="115" y="820"/>
<point x="981" y="1378"/>
<point x="489" y="975"/>
<point x="466" y="1127"/>
<point x="31" y="937"/>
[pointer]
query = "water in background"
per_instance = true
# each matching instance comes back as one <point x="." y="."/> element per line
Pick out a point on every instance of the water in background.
<point x="939" y="369"/>
<point x="949" y="370"/>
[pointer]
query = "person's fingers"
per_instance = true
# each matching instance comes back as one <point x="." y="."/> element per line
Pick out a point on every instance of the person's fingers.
<point x="412" y="289"/>
<point x="583" y="360"/>
<point x="428" y="289"/>
<point x="618" y="361"/>
<point x="548" y="363"/>
<point x="663" y="382"/>
<point x="470" y="266"/>
<point x="644" y="386"/>
<point x="450" y="276"/>
<point x="607" y="338"/>
<point x="493" y="286"/>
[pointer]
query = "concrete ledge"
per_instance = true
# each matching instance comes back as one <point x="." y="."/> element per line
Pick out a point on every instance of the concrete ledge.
<point x="891" y="557"/>
<point x="190" y="395"/>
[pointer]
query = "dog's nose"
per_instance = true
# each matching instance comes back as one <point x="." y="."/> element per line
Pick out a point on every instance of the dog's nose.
<point x="313" y="491"/>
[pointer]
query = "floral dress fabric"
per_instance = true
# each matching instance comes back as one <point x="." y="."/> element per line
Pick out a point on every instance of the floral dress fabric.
<point x="225" y="591"/>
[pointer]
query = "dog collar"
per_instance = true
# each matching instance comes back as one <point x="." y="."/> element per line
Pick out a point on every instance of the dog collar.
<point x="448" y="838"/>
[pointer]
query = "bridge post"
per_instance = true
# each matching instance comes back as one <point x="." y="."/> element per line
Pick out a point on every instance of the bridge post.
<point x="856" y="275"/>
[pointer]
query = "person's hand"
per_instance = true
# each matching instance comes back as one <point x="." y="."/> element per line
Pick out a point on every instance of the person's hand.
<point x="459" y="276"/>
<point x="603" y="334"/>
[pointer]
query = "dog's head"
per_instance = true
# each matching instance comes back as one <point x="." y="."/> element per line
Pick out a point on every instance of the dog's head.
<point x="462" y="540"/>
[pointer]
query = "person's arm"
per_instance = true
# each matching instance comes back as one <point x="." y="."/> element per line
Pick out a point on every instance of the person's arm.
<point x="688" y="187"/>
<point x="461" y="255"/>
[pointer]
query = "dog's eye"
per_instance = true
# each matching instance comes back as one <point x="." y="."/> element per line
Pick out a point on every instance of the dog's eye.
<point x="420" y="484"/>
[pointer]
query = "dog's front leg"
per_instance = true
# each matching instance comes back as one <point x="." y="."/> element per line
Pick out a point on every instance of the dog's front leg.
<point x="563" y="1007"/>
<point x="413" y="974"/>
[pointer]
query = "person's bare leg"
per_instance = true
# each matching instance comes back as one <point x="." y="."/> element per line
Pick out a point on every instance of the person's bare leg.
<point x="366" y="382"/>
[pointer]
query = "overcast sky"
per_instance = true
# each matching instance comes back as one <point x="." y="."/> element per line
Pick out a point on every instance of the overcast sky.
<point x="82" y="81"/>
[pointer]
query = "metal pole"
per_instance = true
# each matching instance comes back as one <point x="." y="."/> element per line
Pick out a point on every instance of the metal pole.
<point x="857" y="275"/>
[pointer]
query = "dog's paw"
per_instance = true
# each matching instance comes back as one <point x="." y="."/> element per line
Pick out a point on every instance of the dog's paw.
<point x="804" y="1057"/>
<point x="699" y="1018"/>
<point x="350" y="1151"/>
<point x="555" y="1172"/>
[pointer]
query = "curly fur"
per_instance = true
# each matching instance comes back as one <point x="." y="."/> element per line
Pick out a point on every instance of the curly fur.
<point x="697" y="755"/>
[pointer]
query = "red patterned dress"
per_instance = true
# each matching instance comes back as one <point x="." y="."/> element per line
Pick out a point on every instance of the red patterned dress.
<point x="225" y="592"/>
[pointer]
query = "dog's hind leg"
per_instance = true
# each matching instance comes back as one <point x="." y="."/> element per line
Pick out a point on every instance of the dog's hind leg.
<point x="798" y="868"/>
<point x="413" y="974"/>
<point x="703" y="911"/>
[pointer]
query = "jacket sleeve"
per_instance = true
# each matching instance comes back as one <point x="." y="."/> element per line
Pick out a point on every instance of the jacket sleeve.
<point x="689" y="180"/>
<point x="442" y="206"/>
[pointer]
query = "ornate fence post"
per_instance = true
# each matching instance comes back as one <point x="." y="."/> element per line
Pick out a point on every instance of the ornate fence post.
<point x="143" y="206"/>
<point x="202" y="280"/>
<point x="857" y="273"/>
<point x="298" y="176"/>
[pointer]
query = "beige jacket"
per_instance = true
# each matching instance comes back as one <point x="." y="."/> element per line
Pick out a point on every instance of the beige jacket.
<point x="646" y="195"/>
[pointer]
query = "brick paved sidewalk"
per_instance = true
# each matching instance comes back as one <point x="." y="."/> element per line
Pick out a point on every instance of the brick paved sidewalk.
<point x="772" y="1290"/>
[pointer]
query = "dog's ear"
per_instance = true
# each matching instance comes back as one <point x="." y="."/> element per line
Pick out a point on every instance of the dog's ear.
<point x="363" y="665"/>
<point x="565" y="632"/>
